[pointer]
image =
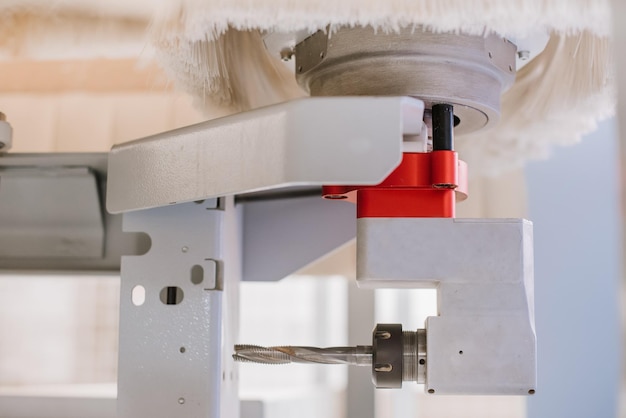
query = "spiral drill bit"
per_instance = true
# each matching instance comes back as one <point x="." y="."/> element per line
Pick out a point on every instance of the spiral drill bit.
<point x="394" y="356"/>
<point x="360" y="355"/>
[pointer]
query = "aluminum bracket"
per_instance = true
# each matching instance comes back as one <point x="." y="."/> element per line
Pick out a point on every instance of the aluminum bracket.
<point x="483" y="339"/>
<point x="176" y="320"/>
<point x="306" y="142"/>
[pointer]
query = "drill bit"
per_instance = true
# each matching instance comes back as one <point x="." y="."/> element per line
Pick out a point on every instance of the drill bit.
<point x="361" y="355"/>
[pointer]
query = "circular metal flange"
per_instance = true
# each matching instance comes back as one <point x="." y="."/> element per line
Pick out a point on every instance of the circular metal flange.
<point x="414" y="356"/>
<point x="469" y="72"/>
<point x="387" y="356"/>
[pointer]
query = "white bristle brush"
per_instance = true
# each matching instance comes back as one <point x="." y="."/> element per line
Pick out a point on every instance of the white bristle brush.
<point x="213" y="49"/>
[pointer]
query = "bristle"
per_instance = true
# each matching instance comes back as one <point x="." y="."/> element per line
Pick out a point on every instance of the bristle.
<point x="556" y="99"/>
<point x="192" y="19"/>
<point x="214" y="50"/>
<point x="234" y="71"/>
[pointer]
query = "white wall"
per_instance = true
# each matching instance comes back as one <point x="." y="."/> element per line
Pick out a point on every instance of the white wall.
<point x="575" y="206"/>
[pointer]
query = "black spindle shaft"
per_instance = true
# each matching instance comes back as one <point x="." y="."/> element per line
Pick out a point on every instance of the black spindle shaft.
<point x="443" y="127"/>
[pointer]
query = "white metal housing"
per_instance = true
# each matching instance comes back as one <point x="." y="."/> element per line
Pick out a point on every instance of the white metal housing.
<point x="483" y="339"/>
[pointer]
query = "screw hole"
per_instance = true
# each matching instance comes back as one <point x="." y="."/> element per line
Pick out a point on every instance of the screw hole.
<point x="531" y="392"/>
<point x="510" y="68"/>
<point x="461" y="352"/>
<point x="422" y="361"/>
<point x="182" y="349"/>
<point x="431" y="390"/>
<point x="138" y="295"/>
<point x="490" y="55"/>
<point x="181" y="400"/>
<point x="300" y="69"/>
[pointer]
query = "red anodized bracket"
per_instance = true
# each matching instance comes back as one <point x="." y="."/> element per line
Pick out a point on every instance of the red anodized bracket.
<point x="424" y="185"/>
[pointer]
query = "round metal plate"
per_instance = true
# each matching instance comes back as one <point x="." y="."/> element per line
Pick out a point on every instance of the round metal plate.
<point x="469" y="72"/>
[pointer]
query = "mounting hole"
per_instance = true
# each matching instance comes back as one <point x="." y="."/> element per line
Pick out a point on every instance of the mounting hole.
<point x="138" y="295"/>
<point x="171" y="295"/>
<point x="431" y="390"/>
<point x="181" y="401"/>
<point x="422" y="361"/>
<point x="461" y="352"/>
<point x="182" y="349"/>
<point x="510" y="68"/>
<point x="300" y="69"/>
<point x="197" y="274"/>
<point x="531" y="392"/>
<point x="490" y="55"/>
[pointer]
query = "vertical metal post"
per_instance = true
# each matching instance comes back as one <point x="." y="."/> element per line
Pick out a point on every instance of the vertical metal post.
<point x="172" y="357"/>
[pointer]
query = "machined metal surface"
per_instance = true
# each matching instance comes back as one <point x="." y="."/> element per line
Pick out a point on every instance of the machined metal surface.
<point x="483" y="340"/>
<point x="298" y="143"/>
<point x="469" y="72"/>
<point x="414" y="356"/>
<point x="387" y="345"/>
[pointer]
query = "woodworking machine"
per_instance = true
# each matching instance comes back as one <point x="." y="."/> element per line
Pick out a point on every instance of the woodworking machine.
<point x="483" y="340"/>
<point x="378" y="131"/>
